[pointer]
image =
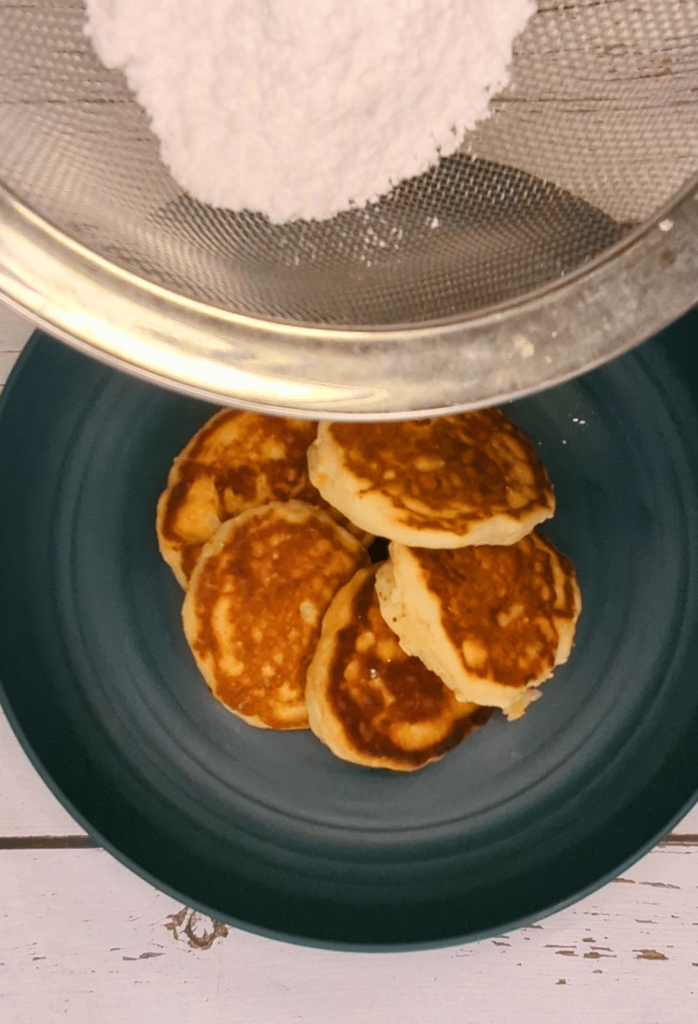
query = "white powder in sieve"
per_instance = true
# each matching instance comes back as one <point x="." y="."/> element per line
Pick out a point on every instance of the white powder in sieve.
<point x="302" y="108"/>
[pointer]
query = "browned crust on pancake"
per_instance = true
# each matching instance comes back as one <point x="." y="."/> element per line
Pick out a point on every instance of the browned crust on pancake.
<point x="450" y="481"/>
<point x="369" y="701"/>
<point x="253" y="611"/>
<point x="493" y="622"/>
<point x="236" y="461"/>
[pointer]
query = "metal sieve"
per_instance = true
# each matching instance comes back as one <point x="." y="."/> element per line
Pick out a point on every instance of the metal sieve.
<point x="564" y="232"/>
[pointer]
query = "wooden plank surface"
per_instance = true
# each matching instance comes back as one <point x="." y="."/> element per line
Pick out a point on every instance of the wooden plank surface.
<point x="82" y="938"/>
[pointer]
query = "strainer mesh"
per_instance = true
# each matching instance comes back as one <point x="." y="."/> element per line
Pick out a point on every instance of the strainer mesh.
<point x="597" y="131"/>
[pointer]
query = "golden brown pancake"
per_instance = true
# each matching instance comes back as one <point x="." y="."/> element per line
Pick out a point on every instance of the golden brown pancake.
<point x="438" y="483"/>
<point x="237" y="460"/>
<point x="492" y="622"/>
<point x="255" y="602"/>
<point x="371" y="703"/>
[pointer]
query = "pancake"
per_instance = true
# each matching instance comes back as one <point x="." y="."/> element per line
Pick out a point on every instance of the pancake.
<point x="436" y="483"/>
<point x="492" y="622"/>
<point x="236" y="461"/>
<point x="369" y="701"/>
<point x="253" y="610"/>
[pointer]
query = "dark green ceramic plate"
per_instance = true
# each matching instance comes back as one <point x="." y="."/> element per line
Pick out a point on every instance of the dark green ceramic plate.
<point x="268" y="830"/>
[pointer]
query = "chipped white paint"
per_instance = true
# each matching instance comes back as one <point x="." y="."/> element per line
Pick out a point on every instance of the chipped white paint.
<point x="82" y="938"/>
<point x="79" y="932"/>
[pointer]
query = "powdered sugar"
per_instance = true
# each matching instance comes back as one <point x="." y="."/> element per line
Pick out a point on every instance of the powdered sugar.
<point x="302" y="108"/>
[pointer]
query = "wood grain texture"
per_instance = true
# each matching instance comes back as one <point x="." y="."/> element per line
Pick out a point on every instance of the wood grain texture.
<point x="81" y="936"/>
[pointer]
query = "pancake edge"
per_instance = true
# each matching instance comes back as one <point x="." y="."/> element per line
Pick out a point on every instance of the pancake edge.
<point x="420" y="632"/>
<point x="215" y="545"/>
<point x="377" y="515"/>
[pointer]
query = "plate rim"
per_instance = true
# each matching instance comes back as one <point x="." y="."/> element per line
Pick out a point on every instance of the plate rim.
<point x="148" y="876"/>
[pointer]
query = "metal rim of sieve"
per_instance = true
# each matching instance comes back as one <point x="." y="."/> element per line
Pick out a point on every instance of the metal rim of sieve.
<point x="567" y="327"/>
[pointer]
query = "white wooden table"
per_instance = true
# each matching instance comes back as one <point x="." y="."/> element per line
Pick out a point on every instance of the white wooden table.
<point x="84" y="940"/>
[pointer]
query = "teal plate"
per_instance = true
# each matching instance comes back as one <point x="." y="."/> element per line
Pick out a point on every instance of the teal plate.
<point x="269" y="831"/>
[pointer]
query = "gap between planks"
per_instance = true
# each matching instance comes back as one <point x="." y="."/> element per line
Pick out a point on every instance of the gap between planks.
<point x="79" y="842"/>
<point x="47" y="843"/>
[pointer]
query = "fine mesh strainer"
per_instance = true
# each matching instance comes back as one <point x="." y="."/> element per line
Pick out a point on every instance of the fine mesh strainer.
<point x="564" y="231"/>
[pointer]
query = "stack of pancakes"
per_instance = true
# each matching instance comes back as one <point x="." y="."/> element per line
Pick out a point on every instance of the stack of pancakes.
<point x="266" y="522"/>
